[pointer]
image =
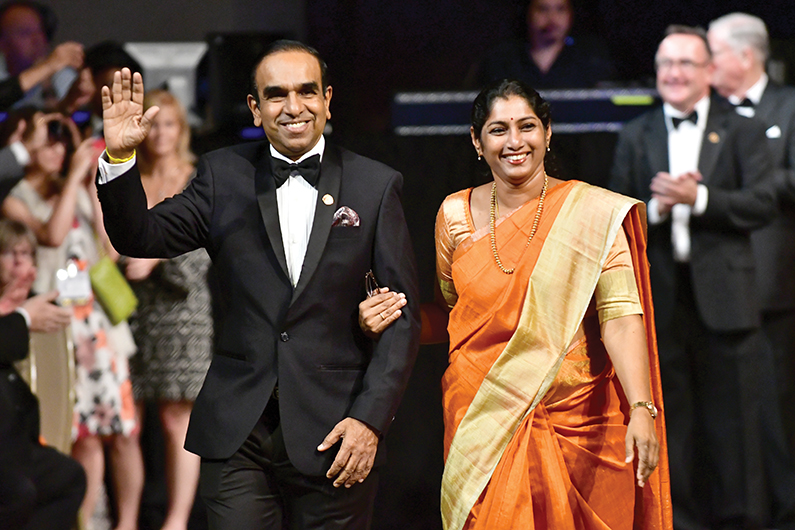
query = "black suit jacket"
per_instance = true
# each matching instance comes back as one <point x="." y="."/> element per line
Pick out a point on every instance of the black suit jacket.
<point x="10" y="172"/>
<point x="736" y="167"/>
<point x="19" y="408"/>
<point x="307" y="338"/>
<point x="774" y="245"/>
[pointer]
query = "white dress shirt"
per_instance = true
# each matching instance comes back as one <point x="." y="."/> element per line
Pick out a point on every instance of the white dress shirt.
<point x="684" y="149"/>
<point x="296" y="200"/>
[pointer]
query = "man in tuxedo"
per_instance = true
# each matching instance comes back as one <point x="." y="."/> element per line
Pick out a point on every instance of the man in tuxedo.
<point x="297" y="400"/>
<point x="702" y="170"/>
<point x="740" y="45"/>
<point x="40" y="488"/>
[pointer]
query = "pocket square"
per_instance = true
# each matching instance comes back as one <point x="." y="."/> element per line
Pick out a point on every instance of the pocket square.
<point x="773" y="132"/>
<point x="345" y="217"/>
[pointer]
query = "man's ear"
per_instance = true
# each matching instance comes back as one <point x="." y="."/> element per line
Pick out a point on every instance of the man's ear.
<point x="254" y="108"/>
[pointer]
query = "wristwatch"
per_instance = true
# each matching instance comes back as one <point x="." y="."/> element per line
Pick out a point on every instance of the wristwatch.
<point x="648" y="405"/>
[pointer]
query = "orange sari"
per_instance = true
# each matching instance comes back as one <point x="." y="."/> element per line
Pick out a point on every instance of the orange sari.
<point x="535" y="418"/>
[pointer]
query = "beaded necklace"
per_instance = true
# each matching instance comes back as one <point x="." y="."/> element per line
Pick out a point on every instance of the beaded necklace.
<point x="493" y="220"/>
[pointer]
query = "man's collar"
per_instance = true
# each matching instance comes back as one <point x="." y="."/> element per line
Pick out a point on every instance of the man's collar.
<point x="318" y="149"/>
<point x="754" y="93"/>
<point x="701" y="108"/>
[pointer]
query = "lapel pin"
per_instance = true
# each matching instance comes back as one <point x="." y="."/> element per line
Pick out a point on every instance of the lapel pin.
<point x="327" y="199"/>
<point x="713" y="137"/>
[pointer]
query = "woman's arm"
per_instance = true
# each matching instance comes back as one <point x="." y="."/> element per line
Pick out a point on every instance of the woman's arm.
<point x="378" y="312"/>
<point x="625" y="341"/>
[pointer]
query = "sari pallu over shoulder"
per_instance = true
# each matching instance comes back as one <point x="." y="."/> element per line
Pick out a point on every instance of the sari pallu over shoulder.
<point x="566" y="262"/>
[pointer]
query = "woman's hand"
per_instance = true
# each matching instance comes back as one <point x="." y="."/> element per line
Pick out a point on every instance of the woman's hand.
<point x="84" y="160"/>
<point x="642" y="437"/>
<point x="137" y="269"/>
<point x="378" y="312"/>
<point x="15" y="292"/>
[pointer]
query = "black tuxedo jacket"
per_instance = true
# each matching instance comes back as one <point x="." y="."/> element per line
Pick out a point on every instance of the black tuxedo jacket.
<point x="307" y="338"/>
<point x="774" y="245"/>
<point x="736" y="168"/>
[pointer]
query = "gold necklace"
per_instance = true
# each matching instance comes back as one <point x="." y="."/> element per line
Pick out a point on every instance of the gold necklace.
<point x="493" y="220"/>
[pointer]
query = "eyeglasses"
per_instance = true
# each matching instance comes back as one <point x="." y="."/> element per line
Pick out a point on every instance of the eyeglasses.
<point x="18" y="254"/>
<point x="370" y="284"/>
<point x="685" y="65"/>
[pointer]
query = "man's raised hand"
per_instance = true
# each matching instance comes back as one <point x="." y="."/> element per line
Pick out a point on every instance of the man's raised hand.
<point x="126" y="125"/>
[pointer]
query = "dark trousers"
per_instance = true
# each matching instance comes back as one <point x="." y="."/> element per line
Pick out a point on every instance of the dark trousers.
<point x="41" y="490"/>
<point x="705" y="394"/>
<point x="258" y="488"/>
<point x="778" y="428"/>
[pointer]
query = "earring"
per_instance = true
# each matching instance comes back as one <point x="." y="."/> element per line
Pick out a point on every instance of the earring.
<point x="480" y="157"/>
<point x="547" y="149"/>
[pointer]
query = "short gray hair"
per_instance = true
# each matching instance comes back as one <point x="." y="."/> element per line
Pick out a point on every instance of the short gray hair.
<point x="741" y="31"/>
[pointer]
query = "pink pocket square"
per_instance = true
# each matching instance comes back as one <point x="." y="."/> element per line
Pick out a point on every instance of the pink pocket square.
<point x="345" y="217"/>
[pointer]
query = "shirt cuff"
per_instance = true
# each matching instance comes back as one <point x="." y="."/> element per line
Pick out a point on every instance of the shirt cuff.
<point x="653" y="212"/>
<point x="702" y="197"/>
<point x="25" y="315"/>
<point x="20" y="153"/>
<point x="108" y="171"/>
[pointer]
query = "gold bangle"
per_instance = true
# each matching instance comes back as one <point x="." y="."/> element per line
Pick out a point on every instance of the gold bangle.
<point x="119" y="160"/>
<point x="648" y="405"/>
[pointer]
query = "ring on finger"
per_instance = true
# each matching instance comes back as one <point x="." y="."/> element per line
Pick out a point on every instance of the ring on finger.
<point x="382" y="315"/>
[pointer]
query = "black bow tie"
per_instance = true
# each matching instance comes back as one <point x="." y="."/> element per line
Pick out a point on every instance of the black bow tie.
<point x="309" y="169"/>
<point x="745" y="103"/>
<point x="692" y="117"/>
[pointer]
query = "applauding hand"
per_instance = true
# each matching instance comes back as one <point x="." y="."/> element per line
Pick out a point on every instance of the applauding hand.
<point x="126" y="125"/>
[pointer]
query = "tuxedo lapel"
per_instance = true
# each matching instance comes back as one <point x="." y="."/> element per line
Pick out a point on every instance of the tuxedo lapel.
<point x="656" y="140"/>
<point x="766" y="108"/>
<point x="268" y="208"/>
<point x="328" y="186"/>
<point x="714" y="136"/>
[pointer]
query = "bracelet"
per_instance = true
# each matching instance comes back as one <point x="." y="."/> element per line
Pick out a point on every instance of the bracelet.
<point x="648" y="405"/>
<point x="119" y="160"/>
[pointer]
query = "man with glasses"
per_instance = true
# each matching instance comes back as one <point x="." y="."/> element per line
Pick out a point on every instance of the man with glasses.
<point x="703" y="171"/>
<point x="291" y="416"/>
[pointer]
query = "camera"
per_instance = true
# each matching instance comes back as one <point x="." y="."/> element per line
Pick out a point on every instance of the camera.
<point x="57" y="132"/>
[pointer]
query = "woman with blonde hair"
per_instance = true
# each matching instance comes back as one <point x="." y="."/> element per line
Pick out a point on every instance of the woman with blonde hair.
<point x="173" y="324"/>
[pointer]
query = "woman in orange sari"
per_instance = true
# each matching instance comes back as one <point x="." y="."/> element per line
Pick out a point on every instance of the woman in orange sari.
<point x="552" y="402"/>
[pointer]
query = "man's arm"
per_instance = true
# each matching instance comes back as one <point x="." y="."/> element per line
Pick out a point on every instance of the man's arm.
<point x="751" y="205"/>
<point x="393" y="354"/>
<point x="174" y="226"/>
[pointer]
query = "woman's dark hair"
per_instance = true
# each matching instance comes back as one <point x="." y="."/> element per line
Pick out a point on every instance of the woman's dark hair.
<point x="503" y="89"/>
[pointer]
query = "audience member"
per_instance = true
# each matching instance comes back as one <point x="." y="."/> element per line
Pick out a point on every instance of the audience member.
<point x="58" y="206"/>
<point x="103" y="60"/>
<point x="704" y="172"/>
<point x="740" y="49"/>
<point x="18" y="145"/>
<point x="40" y="488"/>
<point x="173" y="324"/>
<point x="44" y="78"/>
<point x="547" y="56"/>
